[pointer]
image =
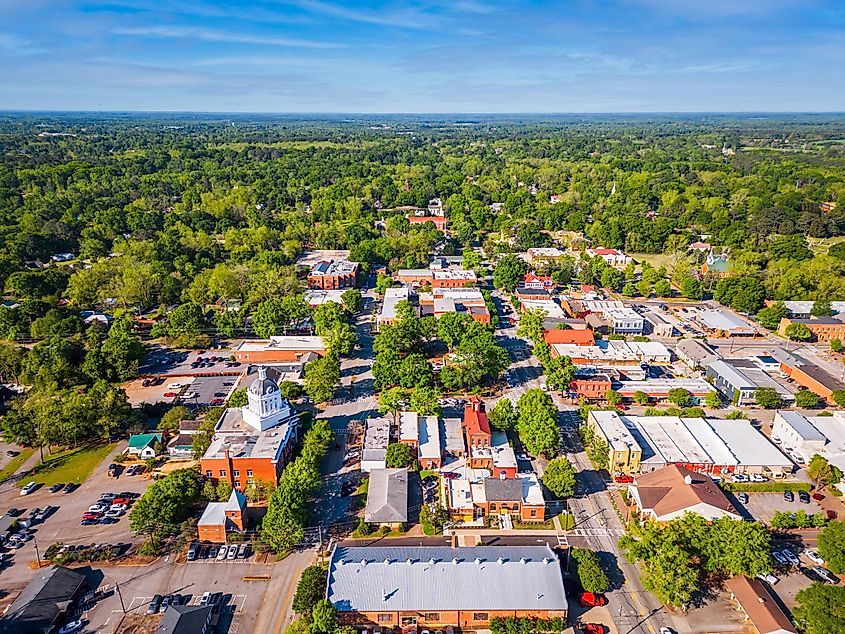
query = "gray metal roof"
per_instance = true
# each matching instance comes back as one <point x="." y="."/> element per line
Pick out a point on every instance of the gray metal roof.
<point x="387" y="496"/>
<point x="496" y="490"/>
<point x="373" y="579"/>
<point x="733" y="376"/>
<point x="803" y="427"/>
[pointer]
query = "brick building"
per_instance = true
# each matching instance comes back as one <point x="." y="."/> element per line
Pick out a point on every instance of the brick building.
<point x="281" y="349"/>
<point x="439" y="221"/>
<point x="418" y="587"/>
<point x="476" y="426"/>
<point x="333" y="274"/>
<point x="253" y="443"/>
<point x="220" y="518"/>
<point x="823" y="328"/>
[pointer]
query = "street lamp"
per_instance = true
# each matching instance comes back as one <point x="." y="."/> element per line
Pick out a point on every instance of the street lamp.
<point x="37" y="554"/>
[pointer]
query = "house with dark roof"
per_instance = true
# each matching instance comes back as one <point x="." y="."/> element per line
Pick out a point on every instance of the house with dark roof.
<point x="387" y="497"/>
<point x="185" y="619"/>
<point x="668" y="493"/>
<point x="46" y="602"/>
<point x="221" y="518"/>
<point x="520" y="497"/>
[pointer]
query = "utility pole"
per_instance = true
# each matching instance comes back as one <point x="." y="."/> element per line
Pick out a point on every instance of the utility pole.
<point x="37" y="554"/>
<point x="120" y="596"/>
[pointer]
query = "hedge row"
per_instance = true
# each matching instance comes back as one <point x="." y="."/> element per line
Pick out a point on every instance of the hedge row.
<point x="765" y="487"/>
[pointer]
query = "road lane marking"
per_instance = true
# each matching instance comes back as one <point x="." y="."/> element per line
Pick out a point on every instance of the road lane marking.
<point x="288" y="597"/>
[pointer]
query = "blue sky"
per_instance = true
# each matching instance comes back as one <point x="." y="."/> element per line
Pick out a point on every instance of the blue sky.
<point x="423" y="55"/>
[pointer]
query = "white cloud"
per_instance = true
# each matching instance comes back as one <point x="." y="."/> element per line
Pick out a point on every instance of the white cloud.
<point x="187" y="32"/>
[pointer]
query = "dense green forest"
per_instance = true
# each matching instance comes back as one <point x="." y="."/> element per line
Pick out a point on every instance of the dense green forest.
<point x="163" y="210"/>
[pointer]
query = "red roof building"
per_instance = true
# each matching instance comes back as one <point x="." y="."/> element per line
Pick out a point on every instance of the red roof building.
<point x="574" y="337"/>
<point x="476" y="426"/>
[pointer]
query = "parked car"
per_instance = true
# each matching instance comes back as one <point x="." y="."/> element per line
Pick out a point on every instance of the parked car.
<point x="29" y="487"/>
<point x="738" y="477"/>
<point x="623" y="478"/>
<point x="592" y="628"/>
<point x="825" y="575"/>
<point x="591" y="599"/>
<point x="791" y="557"/>
<point x="758" y="477"/>
<point x="174" y="386"/>
<point x="788" y="496"/>
<point x="70" y="486"/>
<point x="170" y="395"/>
<point x="450" y="475"/>
<point x="166" y="601"/>
<point x="742" y="497"/>
<point x="192" y="552"/>
<point x="114" y="470"/>
<point x="243" y="551"/>
<point x="154" y="604"/>
<point x="118" y="507"/>
<point x="803" y="497"/>
<point x="98" y="508"/>
<point x="71" y="626"/>
<point x="212" y="554"/>
<point x="232" y="553"/>
<point x="813" y="556"/>
<point x="12" y="453"/>
<point x="108" y="519"/>
<point x="89" y="522"/>
<point x="216" y="601"/>
<point x="222" y="554"/>
<point x="114" y="514"/>
<point x="778" y="556"/>
<point x="56" y="487"/>
<point x="770" y="579"/>
<point x="666" y="630"/>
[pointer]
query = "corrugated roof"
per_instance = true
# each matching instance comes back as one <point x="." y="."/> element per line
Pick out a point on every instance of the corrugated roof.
<point x="429" y="578"/>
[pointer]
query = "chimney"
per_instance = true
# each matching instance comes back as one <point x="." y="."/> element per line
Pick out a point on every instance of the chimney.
<point x="687" y="479"/>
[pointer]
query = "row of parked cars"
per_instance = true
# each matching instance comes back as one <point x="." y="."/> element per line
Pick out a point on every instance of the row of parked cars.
<point x="198" y="551"/>
<point x="109" y="508"/>
<point x="787" y="558"/>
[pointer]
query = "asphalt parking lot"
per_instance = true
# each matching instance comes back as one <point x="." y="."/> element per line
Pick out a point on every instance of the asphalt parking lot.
<point x="762" y="506"/>
<point x="166" y="362"/>
<point x="206" y="389"/>
<point x="64" y="524"/>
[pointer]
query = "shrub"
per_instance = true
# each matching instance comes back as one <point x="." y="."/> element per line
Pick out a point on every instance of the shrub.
<point x="586" y="568"/>
<point x="765" y="487"/>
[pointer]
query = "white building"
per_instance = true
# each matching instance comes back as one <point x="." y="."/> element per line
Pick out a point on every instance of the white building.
<point x="615" y="258"/>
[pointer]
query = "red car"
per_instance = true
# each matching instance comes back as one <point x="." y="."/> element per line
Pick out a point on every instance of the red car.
<point x="91" y="516"/>
<point x="623" y="479"/>
<point x="450" y="475"/>
<point x="591" y="600"/>
<point x="818" y="496"/>
<point x="126" y="501"/>
<point x="592" y="628"/>
<point x="170" y="395"/>
<point x="217" y="401"/>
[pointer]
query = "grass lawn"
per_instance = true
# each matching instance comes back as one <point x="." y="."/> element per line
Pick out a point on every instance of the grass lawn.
<point x="71" y="465"/>
<point x="15" y="463"/>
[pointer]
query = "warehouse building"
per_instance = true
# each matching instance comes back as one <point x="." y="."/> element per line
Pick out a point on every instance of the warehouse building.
<point x="645" y="443"/>
<point x="416" y="587"/>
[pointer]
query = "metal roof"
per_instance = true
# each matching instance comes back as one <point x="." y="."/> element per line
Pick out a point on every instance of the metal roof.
<point x="372" y="579"/>
<point x="387" y="496"/>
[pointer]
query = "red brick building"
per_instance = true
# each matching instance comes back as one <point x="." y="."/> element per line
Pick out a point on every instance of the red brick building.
<point x="333" y="274"/>
<point x="439" y="221"/>
<point x="476" y="426"/>
<point x="582" y="337"/>
<point x="220" y="518"/>
<point x="282" y="349"/>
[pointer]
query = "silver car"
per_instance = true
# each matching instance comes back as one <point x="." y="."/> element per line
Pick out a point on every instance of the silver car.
<point x="791" y="557"/>
<point x="233" y="552"/>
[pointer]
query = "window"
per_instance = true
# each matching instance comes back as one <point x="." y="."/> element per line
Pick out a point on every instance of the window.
<point x="492" y="506"/>
<point x="236" y="473"/>
<point x="480" y="616"/>
<point x="385" y="618"/>
<point x="222" y="473"/>
<point x="533" y="512"/>
<point x="208" y="473"/>
<point x="431" y="617"/>
<point x="249" y="473"/>
<point x="237" y="484"/>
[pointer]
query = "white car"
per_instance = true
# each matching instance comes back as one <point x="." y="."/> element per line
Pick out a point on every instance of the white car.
<point x="174" y="386"/>
<point x="756" y="477"/>
<point x="814" y="557"/>
<point x="667" y="630"/>
<point x="97" y="508"/>
<point x="791" y="558"/>
<point x="739" y="478"/>
<point x="221" y="555"/>
<point x="776" y="439"/>
<point x="780" y="558"/>
<point x="29" y="488"/>
<point x="71" y="626"/>
<point x="118" y="507"/>
<point x="770" y="579"/>
<point x="114" y="514"/>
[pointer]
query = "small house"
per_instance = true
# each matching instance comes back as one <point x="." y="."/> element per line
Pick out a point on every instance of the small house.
<point x="144" y="445"/>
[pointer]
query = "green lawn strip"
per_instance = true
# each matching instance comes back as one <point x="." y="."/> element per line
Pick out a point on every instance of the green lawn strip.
<point x="71" y="465"/>
<point x="15" y="463"/>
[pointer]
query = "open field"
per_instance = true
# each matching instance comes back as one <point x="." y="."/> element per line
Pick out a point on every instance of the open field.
<point x="72" y="465"/>
<point x="15" y="463"/>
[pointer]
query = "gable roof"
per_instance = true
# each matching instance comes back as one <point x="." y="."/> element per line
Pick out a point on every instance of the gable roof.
<point x="44" y="598"/>
<point x="139" y="441"/>
<point x="184" y="619"/>
<point x="387" y="496"/>
<point x="674" y="488"/>
<point x="236" y="501"/>
<point x="582" y="337"/>
<point x="760" y="606"/>
<point x="475" y="418"/>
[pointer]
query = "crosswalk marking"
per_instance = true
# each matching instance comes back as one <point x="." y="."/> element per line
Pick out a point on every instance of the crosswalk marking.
<point x="562" y="541"/>
<point x="598" y="532"/>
